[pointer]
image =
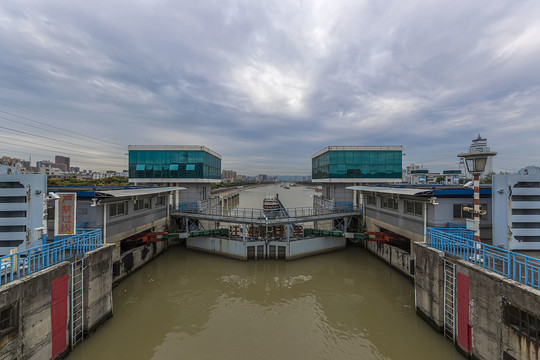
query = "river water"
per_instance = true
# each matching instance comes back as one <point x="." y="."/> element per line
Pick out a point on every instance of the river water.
<point x="190" y="305"/>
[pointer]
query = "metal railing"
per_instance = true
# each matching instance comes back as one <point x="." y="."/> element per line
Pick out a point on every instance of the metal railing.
<point x="18" y="265"/>
<point x="259" y="214"/>
<point x="457" y="241"/>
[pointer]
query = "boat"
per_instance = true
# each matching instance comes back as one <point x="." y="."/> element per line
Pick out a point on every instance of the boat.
<point x="271" y="205"/>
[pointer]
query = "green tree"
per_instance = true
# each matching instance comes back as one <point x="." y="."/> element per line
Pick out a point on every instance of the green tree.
<point x="487" y="178"/>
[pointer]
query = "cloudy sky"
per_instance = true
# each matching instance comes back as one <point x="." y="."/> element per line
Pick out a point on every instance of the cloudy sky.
<point x="268" y="83"/>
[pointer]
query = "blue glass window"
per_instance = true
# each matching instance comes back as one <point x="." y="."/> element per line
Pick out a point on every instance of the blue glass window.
<point x="357" y="164"/>
<point x="173" y="164"/>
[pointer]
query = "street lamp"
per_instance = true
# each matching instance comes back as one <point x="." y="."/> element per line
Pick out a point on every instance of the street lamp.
<point x="476" y="164"/>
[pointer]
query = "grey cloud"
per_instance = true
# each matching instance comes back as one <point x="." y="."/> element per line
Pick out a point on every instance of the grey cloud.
<point x="267" y="84"/>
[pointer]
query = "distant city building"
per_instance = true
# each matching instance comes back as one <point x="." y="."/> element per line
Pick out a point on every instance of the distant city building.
<point x="193" y="167"/>
<point x="63" y="162"/>
<point x="452" y="177"/>
<point x="50" y="171"/>
<point x="516" y="209"/>
<point x="228" y="176"/>
<point x="22" y="205"/>
<point x="44" y="163"/>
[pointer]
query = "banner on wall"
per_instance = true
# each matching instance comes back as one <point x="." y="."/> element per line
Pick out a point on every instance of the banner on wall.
<point x="65" y="213"/>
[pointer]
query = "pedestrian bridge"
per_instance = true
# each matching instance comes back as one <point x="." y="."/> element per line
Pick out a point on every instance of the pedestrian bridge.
<point x="212" y="211"/>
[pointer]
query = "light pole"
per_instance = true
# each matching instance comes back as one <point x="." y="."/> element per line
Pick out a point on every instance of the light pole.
<point x="476" y="164"/>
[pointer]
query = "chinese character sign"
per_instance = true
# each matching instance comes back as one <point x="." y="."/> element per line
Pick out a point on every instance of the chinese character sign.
<point x="66" y="210"/>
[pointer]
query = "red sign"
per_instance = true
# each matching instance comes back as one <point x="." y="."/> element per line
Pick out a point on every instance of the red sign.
<point x="66" y="210"/>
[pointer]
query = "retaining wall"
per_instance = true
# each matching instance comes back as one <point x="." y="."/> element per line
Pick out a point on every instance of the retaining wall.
<point x="39" y="307"/>
<point x="135" y="258"/>
<point x="484" y="301"/>
<point x="399" y="259"/>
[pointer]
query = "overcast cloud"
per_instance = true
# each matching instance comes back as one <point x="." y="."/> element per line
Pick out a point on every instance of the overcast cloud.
<point x="268" y="83"/>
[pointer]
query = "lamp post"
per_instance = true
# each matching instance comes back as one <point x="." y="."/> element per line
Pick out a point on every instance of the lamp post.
<point x="476" y="164"/>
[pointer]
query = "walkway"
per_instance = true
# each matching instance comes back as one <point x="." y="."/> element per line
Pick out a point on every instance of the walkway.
<point x="260" y="217"/>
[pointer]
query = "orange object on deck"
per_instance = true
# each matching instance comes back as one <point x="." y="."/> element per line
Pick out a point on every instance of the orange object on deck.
<point x="253" y="231"/>
<point x="384" y="237"/>
<point x="234" y="230"/>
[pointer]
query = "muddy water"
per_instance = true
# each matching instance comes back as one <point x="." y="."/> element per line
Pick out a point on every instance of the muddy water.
<point x="190" y="305"/>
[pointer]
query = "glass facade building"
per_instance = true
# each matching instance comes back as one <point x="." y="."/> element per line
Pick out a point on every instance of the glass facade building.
<point x="173" y="162"/>
<point x="358" y="162"/>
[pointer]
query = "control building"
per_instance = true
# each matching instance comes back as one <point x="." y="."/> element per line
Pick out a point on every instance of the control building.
<point x="480" y="145"/>
<point x="336" y="167"/>
<point x="516" y="210"/>
<point x="22" y="210"/>
<point x="192" y="167"/>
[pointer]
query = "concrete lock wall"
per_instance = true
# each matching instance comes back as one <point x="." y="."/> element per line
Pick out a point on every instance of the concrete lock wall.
<point x="31" y="300"/>
<point x="307" y="247"/>
<point x="483" y="331"/>
<point x="231" y="248"/>
<point x="399" y="259"/>
<point x="98" y="287"/>
<point x="37" y="334"/>
<point x="135" y="258"/>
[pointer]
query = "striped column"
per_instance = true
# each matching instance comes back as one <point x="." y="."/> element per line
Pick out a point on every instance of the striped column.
<point x="477" y="206"/>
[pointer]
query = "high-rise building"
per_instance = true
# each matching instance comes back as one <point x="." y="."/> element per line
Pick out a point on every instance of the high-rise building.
<point x="58" y="160"/>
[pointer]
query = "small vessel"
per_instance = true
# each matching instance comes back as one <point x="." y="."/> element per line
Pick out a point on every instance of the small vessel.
<point x="318" y="189"/>
<point x="271" y="205"/>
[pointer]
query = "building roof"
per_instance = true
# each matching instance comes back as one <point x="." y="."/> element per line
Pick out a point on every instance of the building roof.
<point x="173" y="148"/>
<point x="137" y="192"/>
<point x="391" y="190"/>
<point x="359" y="148"/>
<point x="112" y="191"/>
<point x="426" y="190"/>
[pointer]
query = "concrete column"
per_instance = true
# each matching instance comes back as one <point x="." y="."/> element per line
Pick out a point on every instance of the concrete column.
<point x="355" y="195"/>
<point x="476" y="178"/>
<point x="104" y="223"/>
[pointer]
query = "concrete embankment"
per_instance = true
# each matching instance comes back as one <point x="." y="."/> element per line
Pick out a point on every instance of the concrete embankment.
<point x="39" y="307"/>
<point x="135" y="258"/>
<point x="494" y="317"/>
<point x="399" y="259"/>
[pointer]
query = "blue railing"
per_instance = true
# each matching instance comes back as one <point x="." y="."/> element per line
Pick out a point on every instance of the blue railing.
<point x="23" y="263"/>
<point x="343" y="205"/>
<point x="458" y="241"/>
<point x="188" y="206"/>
